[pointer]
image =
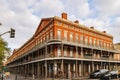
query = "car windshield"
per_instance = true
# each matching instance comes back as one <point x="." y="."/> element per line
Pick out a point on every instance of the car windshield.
<point x="108" y="72"/>
<point x="96" y="71"/>
<point x="113" y="72"/>
<point x="104" y="70"/>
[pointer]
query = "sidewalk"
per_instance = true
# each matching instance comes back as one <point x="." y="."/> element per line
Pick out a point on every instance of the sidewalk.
<point x="18" y="77"/>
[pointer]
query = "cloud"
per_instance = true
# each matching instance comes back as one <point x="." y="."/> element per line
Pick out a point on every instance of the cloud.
<point x="107" y="8"/>
<point x="47" y="8"/>
<point x="114" y="29"/>
<point x="80" y="8"/>
<point x="19" y="17"/>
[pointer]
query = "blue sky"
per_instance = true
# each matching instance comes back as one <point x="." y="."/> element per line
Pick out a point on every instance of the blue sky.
<point x="24" y="16"/>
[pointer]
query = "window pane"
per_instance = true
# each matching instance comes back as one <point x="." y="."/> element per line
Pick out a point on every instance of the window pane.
<point x="71" y="36"/>
<point x="59" y="34"/>
<point x="65" y="35"/>
<point x="59" y="51"/>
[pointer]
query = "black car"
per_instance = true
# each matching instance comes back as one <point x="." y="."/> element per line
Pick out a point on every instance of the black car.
<point x="109" y="75"/>
<point x="98" y="73"/>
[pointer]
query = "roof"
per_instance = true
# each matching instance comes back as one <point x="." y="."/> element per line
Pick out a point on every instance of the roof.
<point x="82" y="26"/>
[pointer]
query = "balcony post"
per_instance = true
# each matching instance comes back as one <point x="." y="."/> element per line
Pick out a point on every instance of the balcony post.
<point x="46" y="51"/>
<point x="76" y="70"/>
<point x="100" y="58"/>
<point x="76" y="52"/>
<point x="109" y="61"/>
<point x="46" y="71"/>
<point x="82" y="68"/>
<point x="62" y="50"/>
<point x="62" y="69"/>
<point x="38" y="70"/>
<point x="81" y="52"/>
<point x="92" y="60"/>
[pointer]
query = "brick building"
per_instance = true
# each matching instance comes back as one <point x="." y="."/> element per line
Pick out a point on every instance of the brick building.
<point x="61" y="47"/>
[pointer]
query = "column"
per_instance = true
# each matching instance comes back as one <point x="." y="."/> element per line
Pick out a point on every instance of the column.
<point x="76" y="52"/>
<point x="49" y="70"/>
<point x="73" y="70"/>
<point x="42" y="70"/>
<point x="81" y="52"/>
<point x="79" y="69"/>
<point x="100" y="58"/>
<point x="32" y="68"/>
<point x="45" y="68"/>
<point x="109" y="61"/>
<point x="93" y="56"/>
<point x="93" y="66"/>
<point x="55" y="68"/>
<point x="69" y="72"/>
<point x="62" y="66"/>
<point x="62" y="50"/>
<point x="38" y="71"/>
<point x="46" y="51"/>
<point x="76" y="71"/>
<point x="89" y="68"/>
<point x="82" y="71"/>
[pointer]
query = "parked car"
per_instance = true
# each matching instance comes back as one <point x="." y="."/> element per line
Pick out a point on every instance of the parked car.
<point x="97" y="73"/>
<point x="109" y="75"/>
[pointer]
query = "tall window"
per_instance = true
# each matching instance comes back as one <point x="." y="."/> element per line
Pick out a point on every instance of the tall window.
<point x="86" y="40"/>
<point x="90" y="40"/>
<point x="43" y="39"/>
<point x="51" y="35"/>
<point x="101" y="43"/>
<point x="71" y="52"/>
<point x="59" y="34"/>
<point x="65" y="51"/>
<point x="59" y="51"/>
<point x="47" y="37"/>
<point x="81" y="39"/>
<point x="104" y="44"/>
<point x="98" y="42"/>
<point x="94" y="42"/>
<point x="77" y="38"/>
<point x="71" y="36"/>
<point x="65" y="35"/>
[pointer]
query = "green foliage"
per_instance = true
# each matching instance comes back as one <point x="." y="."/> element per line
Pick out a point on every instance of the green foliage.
<point x="3" y="50"/>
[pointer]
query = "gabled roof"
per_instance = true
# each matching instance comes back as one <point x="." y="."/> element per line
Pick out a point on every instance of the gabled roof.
<point x="43" y="22"/>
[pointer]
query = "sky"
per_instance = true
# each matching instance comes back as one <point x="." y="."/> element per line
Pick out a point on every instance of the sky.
<point x="25" y="15"/>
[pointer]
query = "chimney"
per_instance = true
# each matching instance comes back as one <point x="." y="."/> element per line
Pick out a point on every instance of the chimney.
<point x="64" y="15"/>
<point x="104" y="31"/>
<point x="77" y="21"/>
<point x="92" y="27"/>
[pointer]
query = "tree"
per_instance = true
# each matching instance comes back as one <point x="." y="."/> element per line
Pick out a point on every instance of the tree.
<point x="3" y="50"/>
